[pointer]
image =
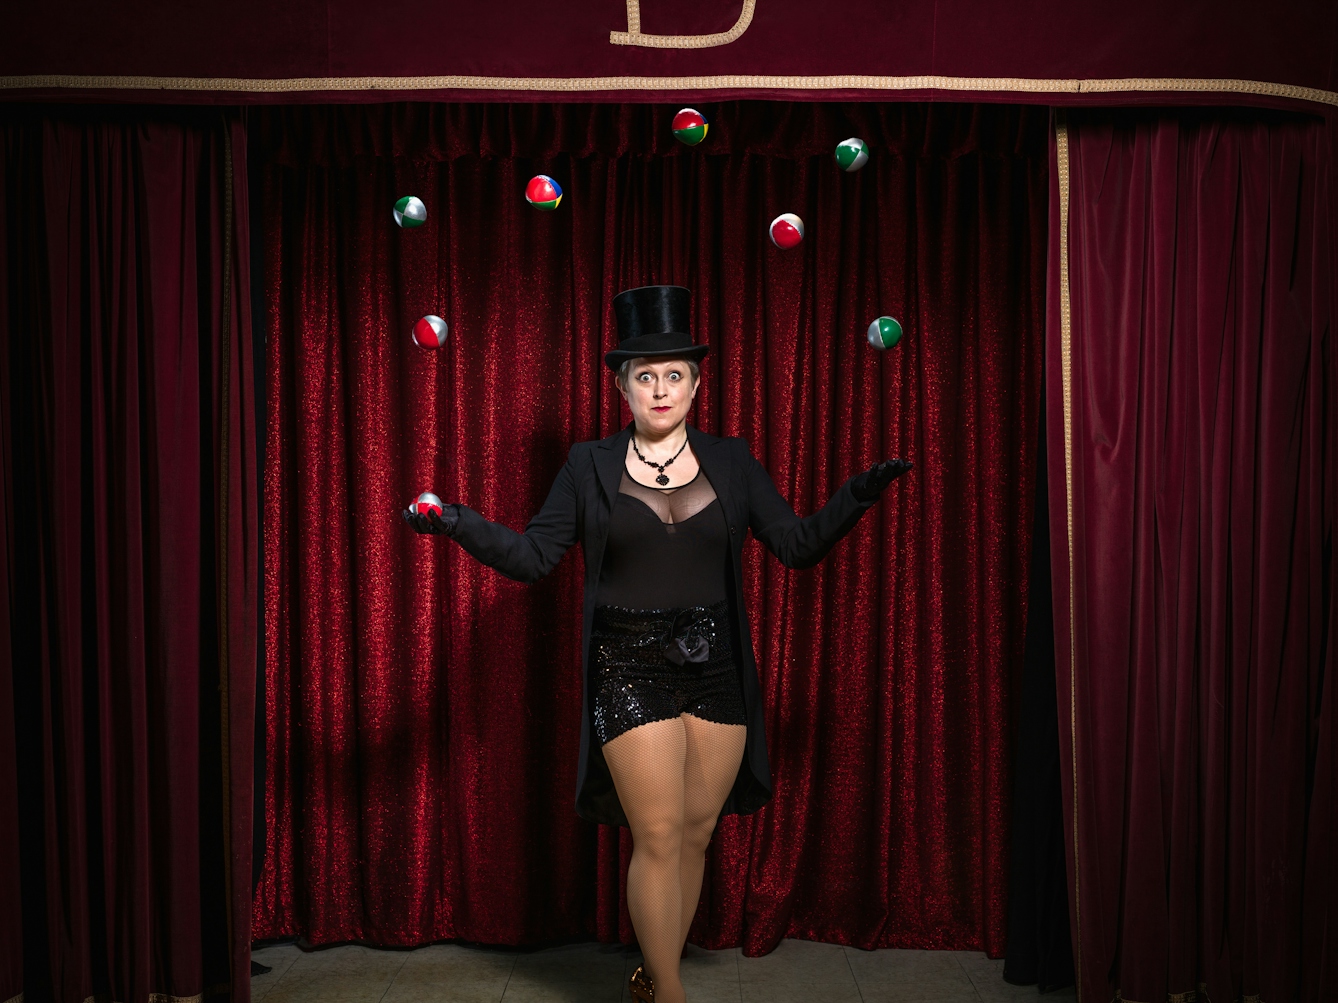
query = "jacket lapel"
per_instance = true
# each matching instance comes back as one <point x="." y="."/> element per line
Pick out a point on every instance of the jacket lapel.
<point x="609" y="459"/>
<point x="714" y="462"/>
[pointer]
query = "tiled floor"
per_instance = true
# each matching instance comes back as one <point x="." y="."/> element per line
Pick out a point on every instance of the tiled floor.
<point x="796" y="972"/>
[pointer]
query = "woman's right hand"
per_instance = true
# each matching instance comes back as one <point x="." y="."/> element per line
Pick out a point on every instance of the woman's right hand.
<point x="433" y="523"/>
<point x="870" y="484"/>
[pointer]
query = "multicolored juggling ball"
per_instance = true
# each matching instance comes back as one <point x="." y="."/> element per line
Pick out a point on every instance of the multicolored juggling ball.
<point x="884" y="332"/>
<point x="543" y="193"/>
<point x="852" y="154"/>
<point x="787" y="230"/>
<point x="429" y="332"/>
<point x="410" y="212"/>
<point x="425" y="503"/>
<point x="690" y="126"/>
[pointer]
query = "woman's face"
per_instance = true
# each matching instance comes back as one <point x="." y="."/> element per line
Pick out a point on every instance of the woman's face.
<point x="659" y="392"/>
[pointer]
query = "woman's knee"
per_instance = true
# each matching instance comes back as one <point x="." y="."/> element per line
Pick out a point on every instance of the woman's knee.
<point x="659" y="839"/>
<point x="697" y="833"/>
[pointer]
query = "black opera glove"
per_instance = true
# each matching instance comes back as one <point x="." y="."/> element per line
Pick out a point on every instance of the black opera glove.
<point x="869" y="485"/>
<point x="432" y="523"/>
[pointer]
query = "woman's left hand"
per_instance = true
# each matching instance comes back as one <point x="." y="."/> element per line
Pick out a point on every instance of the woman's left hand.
<point x="430" y="522"/>
<point x="869" y="485"/>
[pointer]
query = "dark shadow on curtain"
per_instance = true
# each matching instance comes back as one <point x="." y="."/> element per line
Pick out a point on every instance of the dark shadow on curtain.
<point x="129" y="526"/>
<point x="258" y="319"/>
<point x="1040" y="952"/>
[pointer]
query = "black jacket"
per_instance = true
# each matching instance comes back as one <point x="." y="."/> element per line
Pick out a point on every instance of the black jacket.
<point x="578" y="508"/>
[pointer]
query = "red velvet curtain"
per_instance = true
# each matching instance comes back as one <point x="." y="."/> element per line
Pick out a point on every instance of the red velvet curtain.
<point x="423" y="711"/>
<point x="129" y="544"/>
<point x="1195" y="637"/>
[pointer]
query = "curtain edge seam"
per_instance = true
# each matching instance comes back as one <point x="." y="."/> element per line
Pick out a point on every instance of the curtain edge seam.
<point x="1066" y="366"/>
<point x="224" y="652"/>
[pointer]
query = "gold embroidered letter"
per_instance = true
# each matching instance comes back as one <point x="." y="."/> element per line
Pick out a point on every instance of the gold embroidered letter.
<point x="633" y="35"/>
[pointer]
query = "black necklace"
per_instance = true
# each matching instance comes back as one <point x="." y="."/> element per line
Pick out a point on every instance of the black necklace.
<point x="663" y="478"/>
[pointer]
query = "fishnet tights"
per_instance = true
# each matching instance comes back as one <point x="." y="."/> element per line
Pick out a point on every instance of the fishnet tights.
<point x="672" y="778"/>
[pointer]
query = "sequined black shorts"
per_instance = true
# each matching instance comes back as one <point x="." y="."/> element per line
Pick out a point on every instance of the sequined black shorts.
<point x="655" y="664"/>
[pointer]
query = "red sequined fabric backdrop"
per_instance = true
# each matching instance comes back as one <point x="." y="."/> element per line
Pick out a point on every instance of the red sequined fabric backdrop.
<point x="423" y="711"/>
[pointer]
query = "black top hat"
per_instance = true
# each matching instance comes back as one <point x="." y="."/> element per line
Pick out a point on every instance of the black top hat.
<point x="653" y="320"/>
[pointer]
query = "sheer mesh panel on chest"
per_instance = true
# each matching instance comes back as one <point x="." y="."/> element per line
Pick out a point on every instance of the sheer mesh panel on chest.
<point x="671" y="505"/>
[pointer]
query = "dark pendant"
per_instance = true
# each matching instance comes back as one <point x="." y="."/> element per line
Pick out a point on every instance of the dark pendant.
<point x="662" y="479"/>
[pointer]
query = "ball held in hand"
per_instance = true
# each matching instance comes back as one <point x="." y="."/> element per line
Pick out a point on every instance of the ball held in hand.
<point x="543" y="192"/>
<point x="787" y="231"/>
<point x="425" y="503"/>
<point x="884" y="332"/>
<point x="410" y="212"/>
<point x="429" y="332"/>
<point x="690" y="126"/>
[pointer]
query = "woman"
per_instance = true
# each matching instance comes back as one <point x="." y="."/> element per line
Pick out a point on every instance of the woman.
<point x="671" y="692"/>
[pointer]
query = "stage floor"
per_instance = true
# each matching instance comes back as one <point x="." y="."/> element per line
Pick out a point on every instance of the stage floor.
<point x="796" y="972"/>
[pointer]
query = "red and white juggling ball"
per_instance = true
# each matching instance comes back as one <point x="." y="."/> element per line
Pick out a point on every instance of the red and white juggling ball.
<point x="425" y="503"/>
<point x="429" y="332"/>
<point x="787" y="231"/>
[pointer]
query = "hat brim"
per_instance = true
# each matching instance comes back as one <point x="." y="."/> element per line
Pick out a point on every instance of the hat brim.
<point x="618" y="356"/>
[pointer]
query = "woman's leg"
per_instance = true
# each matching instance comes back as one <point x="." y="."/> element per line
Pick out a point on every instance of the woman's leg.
<point x="711" y="764"/>
<point x="647" y="764"/>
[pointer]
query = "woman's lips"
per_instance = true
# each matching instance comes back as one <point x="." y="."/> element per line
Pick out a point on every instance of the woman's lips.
<point x="660" y="409"/>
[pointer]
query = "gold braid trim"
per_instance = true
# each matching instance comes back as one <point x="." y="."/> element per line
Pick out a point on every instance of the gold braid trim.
<point x="15" y="999"/>
<point x="854" y="82"/>
<point x="1066" y="374"/>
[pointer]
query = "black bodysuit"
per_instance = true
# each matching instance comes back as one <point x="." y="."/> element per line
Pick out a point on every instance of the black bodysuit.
<point x="666" y="547"/>
<point x="660" y="642"/>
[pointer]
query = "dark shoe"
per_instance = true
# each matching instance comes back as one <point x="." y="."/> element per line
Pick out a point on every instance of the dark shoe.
<point x="643" y="989"/>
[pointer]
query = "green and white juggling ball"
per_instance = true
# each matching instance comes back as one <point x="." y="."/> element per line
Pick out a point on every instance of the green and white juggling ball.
<point x="410" y="212"/>
<point x="884" y="332"/>
<point x="852" y="154"/>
